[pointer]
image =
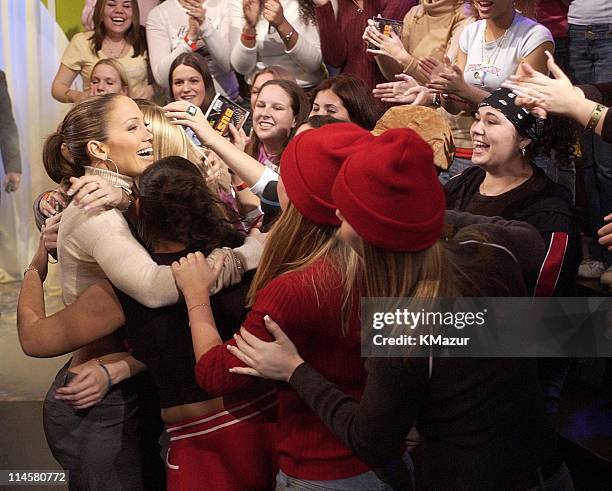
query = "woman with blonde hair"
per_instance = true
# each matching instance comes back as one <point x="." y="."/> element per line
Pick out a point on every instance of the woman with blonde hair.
<point x="303" y="279"/>
<point x="108" y="76"/>
<point x="480" y="419"/>
<point x="171" y="140"/>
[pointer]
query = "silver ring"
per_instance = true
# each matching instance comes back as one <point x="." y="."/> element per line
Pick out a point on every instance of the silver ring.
<point x="192" y="110"/>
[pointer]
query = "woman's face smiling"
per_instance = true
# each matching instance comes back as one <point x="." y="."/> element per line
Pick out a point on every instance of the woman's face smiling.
<point x="188" y="85"/>
<point x="495" y="139"/>
<point x="273" y="116"/>
<point x="117" y="16"/>
<point x="129" y="142"/>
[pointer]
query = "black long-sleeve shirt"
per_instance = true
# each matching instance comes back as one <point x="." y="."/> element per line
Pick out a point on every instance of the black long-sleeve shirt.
<point x="602" y="93"/>
<point x="481" y="420"/>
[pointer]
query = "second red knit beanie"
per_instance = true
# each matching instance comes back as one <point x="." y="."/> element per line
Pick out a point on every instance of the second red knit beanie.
<point x="390" y="194"/>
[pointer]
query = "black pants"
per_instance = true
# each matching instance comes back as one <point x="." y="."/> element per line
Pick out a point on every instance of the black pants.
<point x="106" y="446"/>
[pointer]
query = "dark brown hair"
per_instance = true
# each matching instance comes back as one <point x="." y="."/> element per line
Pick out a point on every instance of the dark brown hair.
<point x="299" y="106"/>
<point x="135" y="35"/>
<point x="65" y="151"/>
<point x="356" y="96"/>
<point x="198" y="63"/>
<point x="176" y="204"/>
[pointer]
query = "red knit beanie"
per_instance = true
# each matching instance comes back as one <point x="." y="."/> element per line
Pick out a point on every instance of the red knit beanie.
<point x="310" y="164"/>
<point x="390" y="194"/>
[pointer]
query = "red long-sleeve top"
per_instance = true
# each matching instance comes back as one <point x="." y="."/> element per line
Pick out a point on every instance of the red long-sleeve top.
<point x="341" y="39"/>
<point x="307" y="305"/>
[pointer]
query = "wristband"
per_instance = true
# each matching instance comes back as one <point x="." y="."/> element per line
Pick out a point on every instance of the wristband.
<point x="192" y="44"/>
<point x="240" y="187"/>
<point x="248" y="37"/>
<point x="595" y="117"/>
<point x="108" y="375"/>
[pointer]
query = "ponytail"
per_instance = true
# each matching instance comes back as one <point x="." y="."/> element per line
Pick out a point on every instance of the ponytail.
<point x="57" y="160"/>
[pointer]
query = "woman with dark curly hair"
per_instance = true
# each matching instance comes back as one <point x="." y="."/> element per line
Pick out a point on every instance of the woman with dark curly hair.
<point x="347" y="98"/>
<point x="276" y="32"/>
<point x="117" y="34"/>
<point x="504" y="182"/>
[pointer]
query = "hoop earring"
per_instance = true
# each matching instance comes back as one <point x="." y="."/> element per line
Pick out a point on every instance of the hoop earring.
<point x="108" y="159"/>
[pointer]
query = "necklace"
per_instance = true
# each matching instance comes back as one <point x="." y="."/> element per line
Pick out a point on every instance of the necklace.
<point x="491" y="60"/>
<point x="359" y="9"/>
<point x="112" y="53"/>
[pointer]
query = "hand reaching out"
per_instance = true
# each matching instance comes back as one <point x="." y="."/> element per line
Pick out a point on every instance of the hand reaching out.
<point x="404" y="91"/>
<point x="542" y="94"/>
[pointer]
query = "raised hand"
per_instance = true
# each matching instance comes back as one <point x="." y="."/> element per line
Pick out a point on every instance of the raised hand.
<point x="448" y="80"/>
<point x="251" y="10"/>
<point x="390" y="46"/>
<point x="273" y="12"/>
<point x="177" y="113"/>
<point x="542" y="94"/>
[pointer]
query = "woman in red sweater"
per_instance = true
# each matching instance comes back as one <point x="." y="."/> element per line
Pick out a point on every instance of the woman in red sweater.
<point x="341" y="42"/>
<point x="303" y="280"/>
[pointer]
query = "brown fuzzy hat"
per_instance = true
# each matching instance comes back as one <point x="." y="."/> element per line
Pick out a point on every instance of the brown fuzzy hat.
<point x="428" y="123"/>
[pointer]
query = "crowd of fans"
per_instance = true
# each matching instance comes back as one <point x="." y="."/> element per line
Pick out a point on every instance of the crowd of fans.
<point x="435" y="161"/>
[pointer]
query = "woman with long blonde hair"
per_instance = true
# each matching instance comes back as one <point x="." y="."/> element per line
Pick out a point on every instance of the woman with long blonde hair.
<point x="303" y="279"/>
<point x="481" y="420"/>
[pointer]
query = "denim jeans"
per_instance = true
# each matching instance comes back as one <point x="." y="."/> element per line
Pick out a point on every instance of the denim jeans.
<point x="368" y="481"/>
<point x="590" y="61"/>
<point x="362" y="482"/>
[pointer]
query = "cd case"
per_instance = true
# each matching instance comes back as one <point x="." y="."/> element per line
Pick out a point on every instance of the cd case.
<point x="385" y="26"/>
<point x="222" y="112"/>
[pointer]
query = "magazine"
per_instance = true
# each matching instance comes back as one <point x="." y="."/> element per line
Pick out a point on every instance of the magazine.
<point x="222" y="111"/>
<point x="385" y="26"/>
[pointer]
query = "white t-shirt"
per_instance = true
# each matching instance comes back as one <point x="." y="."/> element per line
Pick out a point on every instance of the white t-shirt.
<point x="489" y="64"/>
<point x="590" y="12"/>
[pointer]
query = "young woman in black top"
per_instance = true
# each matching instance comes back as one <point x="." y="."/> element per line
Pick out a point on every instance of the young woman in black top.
<point x="177" y="215"/>
<point x="481" y="420"/>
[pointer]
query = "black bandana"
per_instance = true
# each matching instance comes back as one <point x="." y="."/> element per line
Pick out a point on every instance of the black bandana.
<point x="526" y="123"/>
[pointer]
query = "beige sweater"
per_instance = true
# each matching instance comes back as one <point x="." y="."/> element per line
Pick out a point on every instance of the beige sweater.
<point x="433" y="29"/>
<point x="97" y="245"/>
